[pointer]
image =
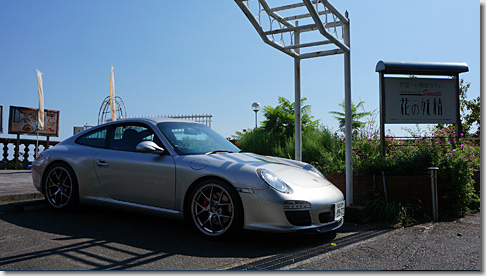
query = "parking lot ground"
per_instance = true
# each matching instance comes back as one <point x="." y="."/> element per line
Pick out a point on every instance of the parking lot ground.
<point x="35" y="238"/>
<point x="104" y="239"/>
<point x="452" y="245"/>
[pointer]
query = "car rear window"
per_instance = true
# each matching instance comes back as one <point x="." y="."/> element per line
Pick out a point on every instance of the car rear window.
<point x="95" y="139"/>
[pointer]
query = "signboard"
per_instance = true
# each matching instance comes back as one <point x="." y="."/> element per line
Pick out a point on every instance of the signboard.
<point x="1" y="118"/>
<point x="420" y="101"/>
<point x="23" y="120"/>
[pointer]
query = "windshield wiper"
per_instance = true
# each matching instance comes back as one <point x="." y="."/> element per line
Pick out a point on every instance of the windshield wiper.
<point x="218" y="151"/>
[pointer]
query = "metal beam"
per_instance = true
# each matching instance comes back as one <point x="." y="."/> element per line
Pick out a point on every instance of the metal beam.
<point x="307" y="15"/>
<point x="298" y="115"/>
<point x="348" y="118"/>
<point x="292" y="6"/>
<point x="259" y="30"/>
<point x="276" y="16"/>
<point x="321" y="28"/>
<point x="334" y="24"/>
<point x="303" y="28"/>
<point x="318" y="43"/>
<point x="334" y="10"/>
<point x="321" y="53"/>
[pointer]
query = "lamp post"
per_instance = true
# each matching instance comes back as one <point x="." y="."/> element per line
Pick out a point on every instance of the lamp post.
<point x="256" y="107"/>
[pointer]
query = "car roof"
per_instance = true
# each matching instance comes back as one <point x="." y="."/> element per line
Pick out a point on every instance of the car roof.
<point x="147" y="120"/>
<point x="154" y="120"/>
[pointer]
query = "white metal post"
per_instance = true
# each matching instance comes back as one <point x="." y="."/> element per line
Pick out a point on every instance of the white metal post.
<point x="382" y="114"/>
<point x="348" y="117"/>
<point x="298" y="121"/>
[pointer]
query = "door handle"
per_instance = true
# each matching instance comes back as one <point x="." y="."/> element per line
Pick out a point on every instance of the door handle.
<point x="101" y="163"/>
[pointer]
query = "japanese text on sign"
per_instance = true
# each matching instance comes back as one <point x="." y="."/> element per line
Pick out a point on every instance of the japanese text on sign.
<point x="416" y="100"/>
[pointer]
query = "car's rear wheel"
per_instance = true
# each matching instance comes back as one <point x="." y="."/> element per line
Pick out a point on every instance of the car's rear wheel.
<point x="215" y="209"/>
<point x="60" y="186"/>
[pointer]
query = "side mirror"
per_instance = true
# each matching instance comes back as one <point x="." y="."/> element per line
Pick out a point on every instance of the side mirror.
<point x="149" y="147"/>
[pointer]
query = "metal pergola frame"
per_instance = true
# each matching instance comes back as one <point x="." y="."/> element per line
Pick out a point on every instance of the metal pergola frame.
<point x="317" y="12"/>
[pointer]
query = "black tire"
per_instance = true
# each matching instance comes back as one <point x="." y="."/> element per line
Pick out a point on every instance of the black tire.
<point x="214" y="209"/>
<point x="61" y="187"/>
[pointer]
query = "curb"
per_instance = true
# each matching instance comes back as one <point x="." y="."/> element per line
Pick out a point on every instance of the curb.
<point x="25" y="206"/>
<point x="21" y="197"/>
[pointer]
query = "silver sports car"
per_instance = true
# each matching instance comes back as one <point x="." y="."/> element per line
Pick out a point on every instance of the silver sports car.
<point x="186" y="170"/>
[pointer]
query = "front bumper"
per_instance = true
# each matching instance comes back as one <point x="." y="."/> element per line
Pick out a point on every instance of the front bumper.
<point x="264" y="210"/>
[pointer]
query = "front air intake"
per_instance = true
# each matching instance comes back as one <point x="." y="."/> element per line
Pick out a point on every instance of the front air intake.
<point x="299" y="218"/>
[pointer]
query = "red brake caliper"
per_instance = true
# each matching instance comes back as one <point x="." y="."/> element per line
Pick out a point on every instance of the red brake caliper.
<point x="205" y="202"/>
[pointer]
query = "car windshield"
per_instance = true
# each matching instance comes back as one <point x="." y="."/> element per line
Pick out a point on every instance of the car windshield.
<point x="190" y="138"/>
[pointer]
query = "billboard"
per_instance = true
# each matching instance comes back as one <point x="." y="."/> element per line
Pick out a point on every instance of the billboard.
<point x="1" y="118"/>
<point x="420" y="101"/>
<point x="23" y="120"/>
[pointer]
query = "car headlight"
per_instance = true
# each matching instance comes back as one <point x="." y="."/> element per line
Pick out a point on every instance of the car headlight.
<point x="272" y="180"/>
<point x="314" y="170"/>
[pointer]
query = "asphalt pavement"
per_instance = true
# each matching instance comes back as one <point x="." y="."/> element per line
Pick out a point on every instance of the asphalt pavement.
<point x="452" y="245"/>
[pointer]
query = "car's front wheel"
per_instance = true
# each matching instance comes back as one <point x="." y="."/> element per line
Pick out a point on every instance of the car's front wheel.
<point x="215" y="209"/>
<point x="60" y="186"/>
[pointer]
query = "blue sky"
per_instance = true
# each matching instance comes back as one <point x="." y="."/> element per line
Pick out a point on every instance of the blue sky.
<point x="204" y="57"/>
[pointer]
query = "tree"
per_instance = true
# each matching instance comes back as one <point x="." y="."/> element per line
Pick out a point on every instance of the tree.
<point x="355" y="116"/>
<point x="470" y="112"/>
<point x="280" y="120"/>
<point x="320" y="146"/>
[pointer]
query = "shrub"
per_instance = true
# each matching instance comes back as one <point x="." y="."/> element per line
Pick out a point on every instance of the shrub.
<point x="393" y="212"/>
<point x="320" y="147"/>
<point x="456" y="159"/>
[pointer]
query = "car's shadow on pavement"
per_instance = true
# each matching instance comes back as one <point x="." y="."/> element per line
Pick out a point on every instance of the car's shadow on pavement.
<point x="151" y="238"/>
<point x="155" y="233"/>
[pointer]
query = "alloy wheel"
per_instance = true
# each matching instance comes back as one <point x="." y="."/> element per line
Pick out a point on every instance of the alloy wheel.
<point x="59" y="187"/>
<point x="213" y="209"/>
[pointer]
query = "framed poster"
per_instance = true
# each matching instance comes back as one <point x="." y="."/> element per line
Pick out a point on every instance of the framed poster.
<point x="420" y="101"/>
<point x="23" y="120"/>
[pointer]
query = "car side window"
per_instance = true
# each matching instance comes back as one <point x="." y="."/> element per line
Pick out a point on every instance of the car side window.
<point x="95" y="139"/>
<point x="126" y="137"/>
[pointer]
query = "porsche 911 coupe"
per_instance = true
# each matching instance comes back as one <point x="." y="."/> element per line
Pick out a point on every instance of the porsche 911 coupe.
<point x="188" y="171"/>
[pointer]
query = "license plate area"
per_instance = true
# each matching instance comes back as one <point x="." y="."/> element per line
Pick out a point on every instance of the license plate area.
<point x="339" y="210"/>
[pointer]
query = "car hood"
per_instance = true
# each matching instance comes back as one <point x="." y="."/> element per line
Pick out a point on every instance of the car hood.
<point x="294" y="173"/>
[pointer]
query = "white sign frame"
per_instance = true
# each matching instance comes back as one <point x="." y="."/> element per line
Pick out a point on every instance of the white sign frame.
<point x="1" y="119"/>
